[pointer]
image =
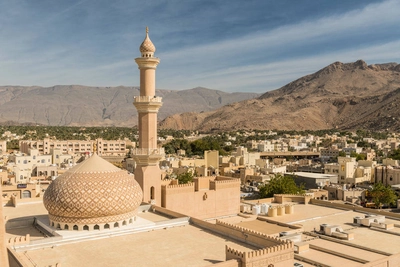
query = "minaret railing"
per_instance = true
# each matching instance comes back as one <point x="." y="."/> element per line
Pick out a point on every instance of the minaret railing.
<point x="148" y="151"/>
<point x="140" y="99"/>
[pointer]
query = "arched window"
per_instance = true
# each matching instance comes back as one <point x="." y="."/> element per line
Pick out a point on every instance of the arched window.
<point x="86" y="227"/>
<point x="116" y="224"/>
<point x="130" y="221"/>
<point x="152" y="192"/>
<point x="106" y="226"/>
<point x="75" y="227"/>
<point x="124" y="223"/>
<point x="66" y="227"/>
<point x="96" y="227"/>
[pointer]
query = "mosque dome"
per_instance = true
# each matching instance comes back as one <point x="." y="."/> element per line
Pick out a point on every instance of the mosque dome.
<point x="94" y="192"/>
<point x="147" y="47"/>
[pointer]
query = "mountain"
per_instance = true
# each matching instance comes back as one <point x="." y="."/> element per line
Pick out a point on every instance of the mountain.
<point x="77" y="105"/>
<point x="341" y="95"/>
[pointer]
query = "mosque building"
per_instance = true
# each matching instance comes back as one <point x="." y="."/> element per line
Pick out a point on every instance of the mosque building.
<point x="96" y="214"/>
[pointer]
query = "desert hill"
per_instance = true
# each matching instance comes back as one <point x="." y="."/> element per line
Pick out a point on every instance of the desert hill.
<point x="341" y="95"/>
<point x="77" y="105"/>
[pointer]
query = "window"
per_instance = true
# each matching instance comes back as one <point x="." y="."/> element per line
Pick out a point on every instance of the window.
<point x="43" y="161"/>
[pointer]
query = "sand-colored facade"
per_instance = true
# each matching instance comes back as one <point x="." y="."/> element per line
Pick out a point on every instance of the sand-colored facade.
<point x="102" y="147"/>
<point x="205" y="197"/>
<point x="148" y="154"/>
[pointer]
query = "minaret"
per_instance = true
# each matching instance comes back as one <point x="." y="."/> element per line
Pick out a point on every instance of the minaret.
<point x="147" y="155"/>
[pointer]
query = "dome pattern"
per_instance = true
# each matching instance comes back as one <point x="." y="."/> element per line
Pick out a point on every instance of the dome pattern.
<point x="93" y="192"/>
<point x="147" y="45"/>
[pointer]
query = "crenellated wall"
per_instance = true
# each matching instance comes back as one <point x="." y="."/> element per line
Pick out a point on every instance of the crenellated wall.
<point x="279" y="256"/>
<point x="19" y="240"/>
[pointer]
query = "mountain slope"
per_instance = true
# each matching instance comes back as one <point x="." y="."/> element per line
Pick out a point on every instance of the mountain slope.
<point x="346" y="96"/>
<point x="96" y="106"/>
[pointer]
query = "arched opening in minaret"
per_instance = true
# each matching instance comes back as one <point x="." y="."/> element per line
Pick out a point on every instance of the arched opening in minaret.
<point x="86" y="227"/>
<point x="152" y="192"/>
<point x="96" y="227"/>
<point x="75" y="227"/>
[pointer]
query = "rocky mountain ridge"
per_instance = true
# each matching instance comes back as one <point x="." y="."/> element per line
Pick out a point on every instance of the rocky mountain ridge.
<point x="76" y="105"/>
<point x="341" y="95"/>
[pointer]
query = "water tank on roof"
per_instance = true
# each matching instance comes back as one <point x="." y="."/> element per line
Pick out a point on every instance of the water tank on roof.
<point x="264" y="208"/>
<point x="256" y="209"/>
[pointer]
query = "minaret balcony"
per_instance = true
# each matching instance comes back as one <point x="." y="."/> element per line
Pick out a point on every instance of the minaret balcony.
<point x="148" y="151"/>
<point x="146" y="104"/>
<point x="147" y="99"/>
<point x="147" y="156"/>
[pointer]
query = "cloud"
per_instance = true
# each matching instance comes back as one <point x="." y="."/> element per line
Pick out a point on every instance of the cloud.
<point x="227" y="47"/>
<point x="217" y="64"/>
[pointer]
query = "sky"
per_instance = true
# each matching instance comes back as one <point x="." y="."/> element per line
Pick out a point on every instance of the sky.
<point x="228" y="45"/>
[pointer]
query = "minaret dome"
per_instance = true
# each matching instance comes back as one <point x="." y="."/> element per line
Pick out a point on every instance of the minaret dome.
<point x="147" y="48"/>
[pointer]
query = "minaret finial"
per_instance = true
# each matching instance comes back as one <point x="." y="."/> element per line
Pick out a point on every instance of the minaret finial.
<point x="147" y="48"/>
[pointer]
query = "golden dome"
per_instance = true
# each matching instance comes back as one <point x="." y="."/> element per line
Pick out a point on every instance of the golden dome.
<point x="147" y="45"/>
<point x="93" y="192"/>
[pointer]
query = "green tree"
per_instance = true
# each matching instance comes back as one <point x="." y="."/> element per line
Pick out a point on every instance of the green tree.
<point x="186" y="177"/>
<point x="395" y="154"/>
<point x="382" y="194"/>
<point x="342" y="154"/>
<point x="280" y="184"/>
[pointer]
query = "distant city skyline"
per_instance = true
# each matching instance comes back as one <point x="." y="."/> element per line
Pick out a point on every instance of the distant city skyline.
<point x="246" y="46"/>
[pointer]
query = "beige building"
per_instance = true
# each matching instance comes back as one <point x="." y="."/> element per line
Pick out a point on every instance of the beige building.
<point x="349" y="172"/>
<point x="3" y="147"/>
<point x="103" y="147"/>
<point x="388" y="175"/>
<point x="26" y="166"/>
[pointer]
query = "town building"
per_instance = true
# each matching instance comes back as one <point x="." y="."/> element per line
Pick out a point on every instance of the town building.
<point x="102" y="147"/>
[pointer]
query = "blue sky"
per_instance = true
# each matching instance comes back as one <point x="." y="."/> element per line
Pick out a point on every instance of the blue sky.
<point x="229" y="45"/>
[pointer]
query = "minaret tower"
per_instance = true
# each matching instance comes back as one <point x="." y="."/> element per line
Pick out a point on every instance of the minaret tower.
<point x="147" y="155"/>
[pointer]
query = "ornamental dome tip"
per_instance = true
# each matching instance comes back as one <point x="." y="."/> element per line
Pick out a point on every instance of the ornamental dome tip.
<point x="147" y="47"/>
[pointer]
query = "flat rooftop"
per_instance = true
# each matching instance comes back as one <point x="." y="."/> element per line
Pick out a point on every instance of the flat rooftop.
<point x="178" y="246"/>
<point x="310" y="217"/>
